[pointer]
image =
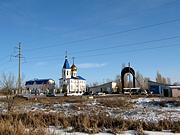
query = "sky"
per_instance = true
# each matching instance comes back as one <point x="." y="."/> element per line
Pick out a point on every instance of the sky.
<point x="102" y="35"/>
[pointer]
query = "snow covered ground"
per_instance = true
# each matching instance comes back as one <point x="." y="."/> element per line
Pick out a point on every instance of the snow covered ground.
<point x="67" y="131"/>
<point x="144" y="109"/>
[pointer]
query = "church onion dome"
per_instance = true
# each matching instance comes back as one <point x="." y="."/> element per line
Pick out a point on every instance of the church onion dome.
<point x="73" y="68"/>
<point x="66" y="64"/>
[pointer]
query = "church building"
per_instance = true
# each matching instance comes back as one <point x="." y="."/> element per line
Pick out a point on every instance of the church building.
<point x="71" y="83"/>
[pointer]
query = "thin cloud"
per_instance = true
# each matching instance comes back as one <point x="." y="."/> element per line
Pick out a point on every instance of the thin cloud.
<point x="91" y="65"/>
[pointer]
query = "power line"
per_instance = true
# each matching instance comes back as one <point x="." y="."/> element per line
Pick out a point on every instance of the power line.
<point x="123" y="52"/>
<point x="115" y="46"/>
<point x="128" y="44"/>
<point x="109" y="34"/>
<point x="133" y="50"/>
<point x="113" y="19"/>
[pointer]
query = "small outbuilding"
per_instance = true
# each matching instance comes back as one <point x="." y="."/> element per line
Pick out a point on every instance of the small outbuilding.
<point x="107" y="88"/>
<point x="165" y="90"/>
<point x="159" y="89"/>
<point x="175" y="91"/>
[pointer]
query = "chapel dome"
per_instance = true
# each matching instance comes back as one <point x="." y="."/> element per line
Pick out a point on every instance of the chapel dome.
<point x="73" y="68"/>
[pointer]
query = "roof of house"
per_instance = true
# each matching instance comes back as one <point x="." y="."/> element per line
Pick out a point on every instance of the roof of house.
<point x="157" y="83"/>
<point x="38" y="81"/>
<point x="100" y="85"/>
<point x="174" y="87"/>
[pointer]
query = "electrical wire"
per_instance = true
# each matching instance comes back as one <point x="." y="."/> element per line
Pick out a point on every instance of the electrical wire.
<point x="120" y="52"/>
<point x="114" y="47"/>
<point x="108" y="34"/>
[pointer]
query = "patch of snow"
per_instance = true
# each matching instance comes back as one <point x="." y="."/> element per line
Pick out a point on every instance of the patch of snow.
<point x="160" y="133"/>
<point x="67" y="131"/>
<point x="2" y="97"/>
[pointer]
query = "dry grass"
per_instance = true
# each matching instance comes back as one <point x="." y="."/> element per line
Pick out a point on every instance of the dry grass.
<point x="115" y="102"/>
<point x="17" y="128"/>
<point x="48" y="100"/>
<point x="17" y="123"/>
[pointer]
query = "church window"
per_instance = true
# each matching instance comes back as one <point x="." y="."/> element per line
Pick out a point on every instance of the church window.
<point x="71" y="87"/>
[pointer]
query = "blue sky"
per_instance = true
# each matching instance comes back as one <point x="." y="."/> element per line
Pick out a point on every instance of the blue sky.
<point x="100" y="34"/>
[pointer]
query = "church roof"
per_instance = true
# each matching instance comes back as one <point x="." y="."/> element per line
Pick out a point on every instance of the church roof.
<point x="78" y="77"/>
<point x="81" y="78"/>
<point x="73" y="68"/>
<point x="66" y="64"/>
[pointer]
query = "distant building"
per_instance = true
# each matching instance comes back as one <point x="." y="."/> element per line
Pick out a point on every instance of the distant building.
<point x="38" y="86"/>
<point x="164" y="89"/>
<point x="71" y="83"/>
<point x="109" y="87"/>
<point x="175" y="91"/>
<point x="159" y="89"/>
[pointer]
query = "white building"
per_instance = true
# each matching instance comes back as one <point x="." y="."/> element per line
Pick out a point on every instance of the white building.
<point x="109" y="87"/>
<point x="38" y="86"/>
<point x="71" y="83"/>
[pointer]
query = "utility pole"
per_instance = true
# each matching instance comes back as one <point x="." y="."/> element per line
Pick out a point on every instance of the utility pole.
<point x="19" y="68"/>
<point x="19" y="56"/>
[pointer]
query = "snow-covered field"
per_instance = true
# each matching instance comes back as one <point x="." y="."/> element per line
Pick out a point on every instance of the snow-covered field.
<point x="129" y="132"/>
<point x="144" y="109"/>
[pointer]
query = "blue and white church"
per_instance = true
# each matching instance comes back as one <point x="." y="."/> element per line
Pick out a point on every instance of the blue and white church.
<point x="70" y="83"/>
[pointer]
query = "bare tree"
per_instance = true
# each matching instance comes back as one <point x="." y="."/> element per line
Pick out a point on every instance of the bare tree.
<point x="158" y="77"/>
<point x="161" y="79"/>
<point x="93" y="84"/>
<point x="168" y="80"/>
<point x="8" y="85"/>
<point x="118" y="83"/>
<point x="142" y="81"/>
<point x="176" y="83"/>
<point x="146" y="80"/>
<point x="139" y="79"/>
